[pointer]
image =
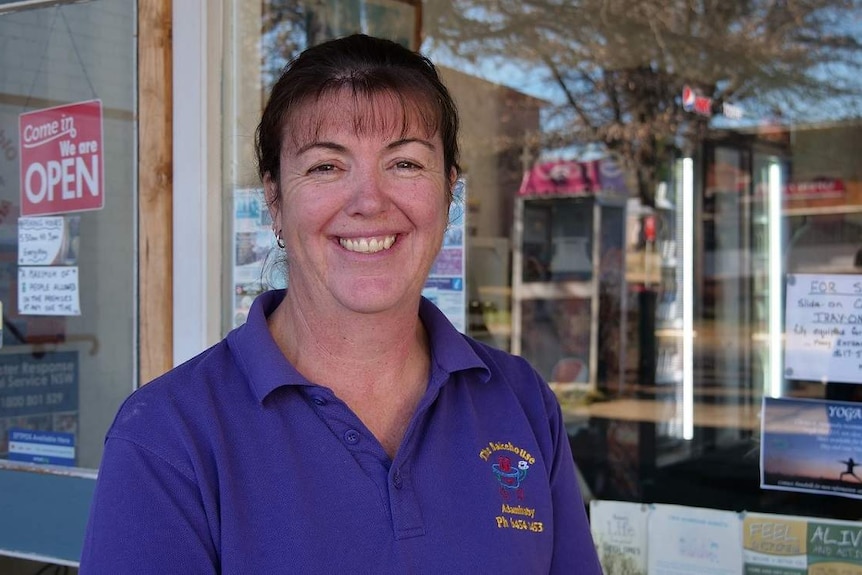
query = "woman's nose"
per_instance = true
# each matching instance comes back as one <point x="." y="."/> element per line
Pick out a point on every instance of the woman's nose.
<point x="368" y="195"/>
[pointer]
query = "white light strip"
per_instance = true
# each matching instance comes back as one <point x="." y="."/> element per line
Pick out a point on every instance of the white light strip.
<point x="687" y="201"/>
<point x="776" y="344"/>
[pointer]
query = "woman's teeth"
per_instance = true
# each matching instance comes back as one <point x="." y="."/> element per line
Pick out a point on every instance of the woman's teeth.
<point x="366" y="245"/>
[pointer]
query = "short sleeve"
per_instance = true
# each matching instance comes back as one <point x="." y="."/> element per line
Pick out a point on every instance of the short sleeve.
<point x="574" y="551"/>
<point x="146" y="517"/>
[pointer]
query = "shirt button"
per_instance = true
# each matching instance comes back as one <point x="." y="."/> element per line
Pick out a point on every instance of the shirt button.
<point x="319" y="400"/>
<point x="396" y="480"/>
<point x="351" y="436"/>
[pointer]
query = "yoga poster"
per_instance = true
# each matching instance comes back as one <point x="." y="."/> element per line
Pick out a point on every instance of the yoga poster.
<point x="812" y="446"/>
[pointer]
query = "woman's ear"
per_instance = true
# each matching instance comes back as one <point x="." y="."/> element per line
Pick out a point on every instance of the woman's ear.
<point x="273" y="199"/>
<point x="453" y="177"/>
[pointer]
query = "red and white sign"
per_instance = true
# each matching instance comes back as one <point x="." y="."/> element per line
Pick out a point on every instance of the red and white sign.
<point x="825" y="188"/>
<point x="62" y="163"/>
<point x="691" y="102"/>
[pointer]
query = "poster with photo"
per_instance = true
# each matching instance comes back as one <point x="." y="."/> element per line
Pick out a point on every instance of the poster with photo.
<point x="811" y="446"/>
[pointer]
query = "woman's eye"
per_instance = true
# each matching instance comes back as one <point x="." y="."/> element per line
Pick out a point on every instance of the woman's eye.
<point x="407" y="165"/>
<point x="322" y="168"/>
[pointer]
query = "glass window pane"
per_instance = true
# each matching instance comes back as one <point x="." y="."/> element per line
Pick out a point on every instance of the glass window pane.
<point x="67" y="277"/>
<point x="642" y="185"/>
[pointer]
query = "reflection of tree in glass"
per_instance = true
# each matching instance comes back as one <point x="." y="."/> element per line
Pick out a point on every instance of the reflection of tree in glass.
<point x="288" y="27"/>
<point x="616" y="69"/>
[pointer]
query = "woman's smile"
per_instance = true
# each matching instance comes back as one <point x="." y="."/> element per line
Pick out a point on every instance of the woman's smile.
<point x="370" y="245"/>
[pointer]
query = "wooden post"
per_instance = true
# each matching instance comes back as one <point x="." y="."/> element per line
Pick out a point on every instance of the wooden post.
<point x="155" y="188"/>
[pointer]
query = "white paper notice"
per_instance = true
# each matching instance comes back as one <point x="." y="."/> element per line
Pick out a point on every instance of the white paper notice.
<point x="686" y="540"/>
<point x="48" y="291"/>
<point x="40" y="241"/>
<point x="824" y="328"/>
<point x="619" y="531"/>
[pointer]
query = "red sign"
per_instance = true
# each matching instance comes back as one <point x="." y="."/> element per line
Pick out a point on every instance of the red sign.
<point x="564" y="177"/>
<point x="62" y="164"/>
<point x="815" y="189"/>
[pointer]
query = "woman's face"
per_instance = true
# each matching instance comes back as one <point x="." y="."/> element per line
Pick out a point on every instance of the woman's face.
<point x="362" y="203"/>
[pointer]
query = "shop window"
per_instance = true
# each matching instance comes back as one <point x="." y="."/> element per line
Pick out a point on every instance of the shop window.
<point x="637" y="198"/>
<point x="68" y="209"/>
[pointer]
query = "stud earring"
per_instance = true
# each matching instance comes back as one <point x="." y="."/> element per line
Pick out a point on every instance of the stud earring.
<point x="278" y="239"/>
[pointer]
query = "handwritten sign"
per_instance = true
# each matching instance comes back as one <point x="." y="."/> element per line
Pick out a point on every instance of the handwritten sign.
<point x="40" y="241"/>
<point x="823" y="324"/>
<point x="48" y="291"/>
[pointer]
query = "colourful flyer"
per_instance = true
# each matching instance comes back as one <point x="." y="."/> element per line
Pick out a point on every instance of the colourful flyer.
<point x="774" y="544"/>
<point x="834" y="548"/>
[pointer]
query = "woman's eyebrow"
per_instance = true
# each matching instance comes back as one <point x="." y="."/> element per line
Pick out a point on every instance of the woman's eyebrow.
<point x="341" y="148"/>
<point x="405" y="141"/>
<point x="325" y="145"/>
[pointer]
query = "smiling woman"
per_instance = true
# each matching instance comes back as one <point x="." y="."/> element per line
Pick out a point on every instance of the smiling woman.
<point x="338" y="425"/>
<point x="358" y="179"/>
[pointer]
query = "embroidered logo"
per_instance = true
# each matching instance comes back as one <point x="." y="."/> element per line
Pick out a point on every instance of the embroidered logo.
<point x="510" y="478"/>
<point x="510" y="467"/>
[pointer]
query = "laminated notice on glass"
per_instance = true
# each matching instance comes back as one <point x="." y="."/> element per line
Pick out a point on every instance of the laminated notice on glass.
<point x="47" y="447"/>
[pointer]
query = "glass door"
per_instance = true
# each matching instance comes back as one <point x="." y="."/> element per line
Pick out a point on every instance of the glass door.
<point x="68" y="259"/>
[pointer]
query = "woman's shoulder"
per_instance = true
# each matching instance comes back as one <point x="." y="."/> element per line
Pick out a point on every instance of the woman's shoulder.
<point x="181" y="400"/>
<point x="189" y="377"/>
<point x="502" y="363"/>
<point x="516" y="374"/>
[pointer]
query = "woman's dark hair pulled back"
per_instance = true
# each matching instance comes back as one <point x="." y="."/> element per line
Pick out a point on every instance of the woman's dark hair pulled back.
<point x="366" y="66"/>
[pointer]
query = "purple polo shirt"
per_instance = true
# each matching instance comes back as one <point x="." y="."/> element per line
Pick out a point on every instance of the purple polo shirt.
<point x="235" y="463"/>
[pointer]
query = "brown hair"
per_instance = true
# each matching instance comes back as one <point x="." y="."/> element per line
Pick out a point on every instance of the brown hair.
<point x="367" y="67"/>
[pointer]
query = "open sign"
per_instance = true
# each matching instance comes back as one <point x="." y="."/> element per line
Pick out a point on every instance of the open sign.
<point x="61" y="159"/>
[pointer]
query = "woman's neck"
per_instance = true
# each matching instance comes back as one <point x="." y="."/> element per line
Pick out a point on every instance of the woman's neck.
<point x="328" y="347"/>
<point x="379" y="365"/>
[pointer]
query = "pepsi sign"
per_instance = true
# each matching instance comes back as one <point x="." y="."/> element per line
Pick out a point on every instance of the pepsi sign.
<point x="691" y="102"/>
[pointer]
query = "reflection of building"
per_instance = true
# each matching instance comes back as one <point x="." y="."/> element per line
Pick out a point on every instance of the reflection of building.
<point x="496" y="123"/>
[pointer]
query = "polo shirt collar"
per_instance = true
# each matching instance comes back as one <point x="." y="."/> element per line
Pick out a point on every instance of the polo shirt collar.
<point x="263" y="363"/>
